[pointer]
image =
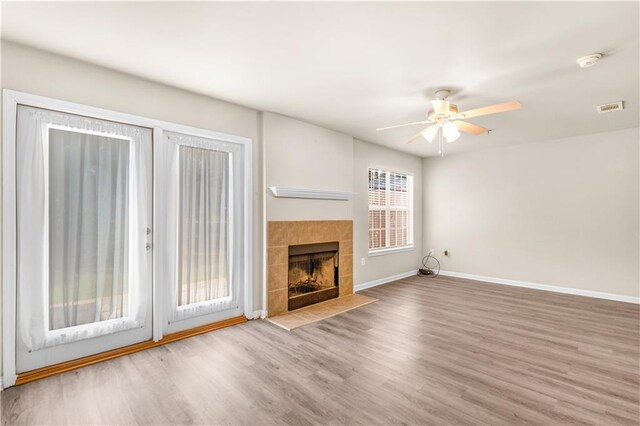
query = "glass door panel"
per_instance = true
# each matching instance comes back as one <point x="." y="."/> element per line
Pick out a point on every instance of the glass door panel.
<point x="203" y="230"/>
<point x="88" y="228"/>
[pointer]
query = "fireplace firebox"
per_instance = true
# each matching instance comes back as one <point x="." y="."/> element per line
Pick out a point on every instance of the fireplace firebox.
<point x="313" y="274"/>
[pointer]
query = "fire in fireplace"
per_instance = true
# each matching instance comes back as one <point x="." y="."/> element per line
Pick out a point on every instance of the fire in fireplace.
<point x="313" y="274"/>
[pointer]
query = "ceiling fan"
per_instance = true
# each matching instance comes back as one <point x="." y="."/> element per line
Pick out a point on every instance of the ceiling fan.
<point x="446" y="120"/>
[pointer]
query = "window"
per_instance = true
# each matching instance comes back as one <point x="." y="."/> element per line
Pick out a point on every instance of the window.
<point x="390" y="211"/>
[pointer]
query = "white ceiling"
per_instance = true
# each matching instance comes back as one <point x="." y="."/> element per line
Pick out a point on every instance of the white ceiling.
<point x="353" y="67"/>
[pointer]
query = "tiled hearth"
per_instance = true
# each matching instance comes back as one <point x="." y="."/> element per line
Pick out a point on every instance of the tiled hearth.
<point x="281" y="235"/>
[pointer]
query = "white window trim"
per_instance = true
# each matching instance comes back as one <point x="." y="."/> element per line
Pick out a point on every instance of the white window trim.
<point x="10" y="101"/>
<point x="391" y="250"/>
<point x="387" y="207"/>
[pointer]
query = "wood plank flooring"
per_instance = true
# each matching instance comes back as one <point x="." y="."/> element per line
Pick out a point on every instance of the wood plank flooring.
<point x="430" y="351"/>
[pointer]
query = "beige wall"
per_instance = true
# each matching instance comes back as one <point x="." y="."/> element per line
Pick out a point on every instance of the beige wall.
<point x="302" y="155"/>
<point x="369" y="155"/>
<point x="561" y="212"/>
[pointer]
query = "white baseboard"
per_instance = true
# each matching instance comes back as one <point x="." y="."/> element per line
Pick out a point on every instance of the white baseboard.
<point x="545" y="287"/>
<point x="384" y="280"/>
<point x="257" y="314"/>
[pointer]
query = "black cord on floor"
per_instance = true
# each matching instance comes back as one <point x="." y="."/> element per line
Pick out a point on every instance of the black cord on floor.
<point x="430" y="267"/>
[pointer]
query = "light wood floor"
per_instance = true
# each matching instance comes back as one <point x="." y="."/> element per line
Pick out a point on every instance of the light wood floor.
<point x="443" y="351"/>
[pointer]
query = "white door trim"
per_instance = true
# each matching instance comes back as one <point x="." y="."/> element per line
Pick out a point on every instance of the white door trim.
<point x="157" y="299"/>
<point x="11" y="100"/>
<point x="9" y="238"/>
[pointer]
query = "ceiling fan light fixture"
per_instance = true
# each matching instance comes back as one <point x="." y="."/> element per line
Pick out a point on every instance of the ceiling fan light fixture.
<point x="450" y="131"/>
<point x="430" y="133"/>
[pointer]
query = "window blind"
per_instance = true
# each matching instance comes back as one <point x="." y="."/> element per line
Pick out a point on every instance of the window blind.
<point x="390" y="209"/>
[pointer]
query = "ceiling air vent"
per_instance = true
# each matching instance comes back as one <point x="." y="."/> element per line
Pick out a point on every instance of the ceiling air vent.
<point x="613" y="106"/>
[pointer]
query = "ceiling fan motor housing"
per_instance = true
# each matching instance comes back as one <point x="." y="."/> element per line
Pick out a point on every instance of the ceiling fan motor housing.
<point x="442" y="110"/>
<point x="443" y="94"/>
<point x="589" y="60"/>
<point x="441" y="107"/>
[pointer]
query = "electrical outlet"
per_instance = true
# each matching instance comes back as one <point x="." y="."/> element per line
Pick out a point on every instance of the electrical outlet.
<point x="363" y="261"/>
<point x="431" y="251"/>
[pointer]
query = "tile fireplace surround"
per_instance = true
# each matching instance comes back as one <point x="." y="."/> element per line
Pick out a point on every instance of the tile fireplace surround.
<point x="281" y="235"/>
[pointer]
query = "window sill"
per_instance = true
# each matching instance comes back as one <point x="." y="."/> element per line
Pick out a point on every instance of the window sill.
<point x="391" y="250"/>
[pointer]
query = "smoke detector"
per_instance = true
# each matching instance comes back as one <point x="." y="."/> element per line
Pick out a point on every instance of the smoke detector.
<point x="589" y="60"/>
<point x="610" y="107"/>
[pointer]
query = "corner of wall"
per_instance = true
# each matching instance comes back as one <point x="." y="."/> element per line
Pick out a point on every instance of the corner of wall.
<point x="262" y="287"/>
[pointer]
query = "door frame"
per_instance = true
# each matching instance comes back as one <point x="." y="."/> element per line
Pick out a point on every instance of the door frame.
<point x="10" y="101"/>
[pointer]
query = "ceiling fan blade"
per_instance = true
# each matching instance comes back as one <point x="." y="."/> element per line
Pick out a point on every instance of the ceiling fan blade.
<point x="493" y="109"/>
<point x="416" y="136"/>
<point x="403" y="125"/>
<point x="474" y="129"/>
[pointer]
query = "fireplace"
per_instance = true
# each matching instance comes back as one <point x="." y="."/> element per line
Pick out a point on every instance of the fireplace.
<point x="313" y="274"/>
<point x="300" y="237"/>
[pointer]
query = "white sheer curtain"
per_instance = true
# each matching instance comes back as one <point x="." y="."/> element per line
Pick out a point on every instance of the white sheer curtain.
<point x="197" y="229"/>
<point x="203" y="256"/>
<point x="82" y="208"/>
<point x="88" y="228"/>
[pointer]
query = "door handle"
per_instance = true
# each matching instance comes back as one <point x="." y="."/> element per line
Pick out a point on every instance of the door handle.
<point x="148" y="246"/>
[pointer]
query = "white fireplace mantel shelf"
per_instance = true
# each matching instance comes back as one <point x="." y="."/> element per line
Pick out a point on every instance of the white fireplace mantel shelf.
<point x="314" y="194"/>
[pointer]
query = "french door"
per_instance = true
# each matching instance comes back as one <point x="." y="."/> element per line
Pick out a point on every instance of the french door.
<point x="84" y="219"/>
<point x="200" y="230"/>
<point x="125" y="229"/>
